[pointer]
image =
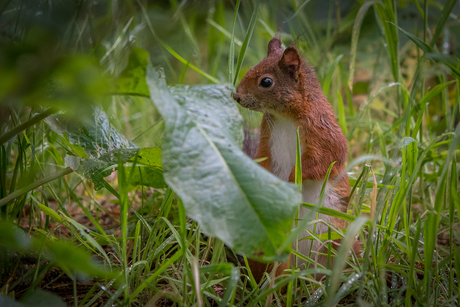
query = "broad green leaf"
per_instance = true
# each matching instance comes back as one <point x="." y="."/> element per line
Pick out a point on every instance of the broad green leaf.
<point x="230" y="196"/>
<point x="132" y="80"/>
<point x="146" y="176"/>
<point x="96" y="144"/>
<point x="148" y="170"/>
<point x="72" y="161"/>
<point x="203" y="103"/>
<point x="150" y="156"/>
<point x="96" y="136"/>
<point x="97" y="169"/>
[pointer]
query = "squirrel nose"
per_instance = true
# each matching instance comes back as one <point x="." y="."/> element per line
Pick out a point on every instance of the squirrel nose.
<point x="236" y="97"/>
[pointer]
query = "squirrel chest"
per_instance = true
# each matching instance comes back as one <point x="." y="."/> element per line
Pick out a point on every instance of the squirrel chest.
<point x="283" y="146"/>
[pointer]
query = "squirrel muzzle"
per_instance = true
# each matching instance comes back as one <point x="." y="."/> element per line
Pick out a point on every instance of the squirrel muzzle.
<point x="237" y="97"/>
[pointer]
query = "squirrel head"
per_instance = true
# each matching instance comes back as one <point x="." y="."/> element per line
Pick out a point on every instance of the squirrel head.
<point x="275" y="83"/>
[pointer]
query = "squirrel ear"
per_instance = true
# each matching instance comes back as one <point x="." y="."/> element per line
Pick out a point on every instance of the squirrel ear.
<point x="291" y="60"/>
<point x="274" y="46"/>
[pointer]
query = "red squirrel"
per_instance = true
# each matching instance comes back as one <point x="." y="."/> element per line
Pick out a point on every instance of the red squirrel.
<point x="287" y="91"/>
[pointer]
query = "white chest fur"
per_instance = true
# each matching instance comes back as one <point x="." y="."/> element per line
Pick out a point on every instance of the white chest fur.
<point x="283" y="144"/>
<point x="283" y="147"/>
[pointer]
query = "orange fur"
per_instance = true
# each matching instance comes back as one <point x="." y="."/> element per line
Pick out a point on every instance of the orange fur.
<point x="264" y="149"/>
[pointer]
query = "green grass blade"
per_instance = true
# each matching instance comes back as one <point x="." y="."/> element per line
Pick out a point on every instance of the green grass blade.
<point x="231" y="52"/>
<point x="412" y="262"/>
<point x="386" y="16"/>
<point x="32" y="121"/>
<point x="246" y="41"/>
<point x="231" y="287"/>
<point x="429" y="96"/>
<point x="184" y="61"/>
<point x="298" y="161"/>
<point x="453" y="189"/>
<point x="328" y="79"/>
<point x="354" y="40"/>
<point x="122" y="187"/>
<point x="136" y="240"/>
<point x="446" y="10"/>
<point x="342" y="119"/>
<point x="297" y="180"/>
<point x="330" y="212"/>
<point x="50" y="212"/>
<point x="339" y="264"/>
<point x="157" y="273"/>
<point x="428" y="49"/>
<point x="432" y="223"/>
<point x="227" y="34"/>
<point x="34" y="185"/>
<point x="323" y="188"/>
<point x="457" y="263"/>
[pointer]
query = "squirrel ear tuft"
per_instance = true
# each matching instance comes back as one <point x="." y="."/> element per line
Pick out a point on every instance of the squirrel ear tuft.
<point x="291" y="60"/>
<point x="274" y="46"/>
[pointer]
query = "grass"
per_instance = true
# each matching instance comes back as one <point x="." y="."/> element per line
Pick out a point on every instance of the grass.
<point x="390" y="72"/>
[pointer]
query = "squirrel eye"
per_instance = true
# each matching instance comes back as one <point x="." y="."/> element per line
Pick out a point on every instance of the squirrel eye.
<point x="266" y="82"/>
